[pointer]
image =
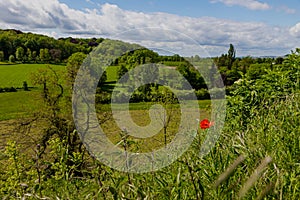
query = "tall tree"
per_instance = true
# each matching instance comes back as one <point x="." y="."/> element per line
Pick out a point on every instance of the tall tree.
<point x="29" y="55"/>
<point x="230" y="56"/>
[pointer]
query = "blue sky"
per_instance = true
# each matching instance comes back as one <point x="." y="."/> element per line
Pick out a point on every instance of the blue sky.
<point x="255" y="27"/>
<point x="281" y="12"/>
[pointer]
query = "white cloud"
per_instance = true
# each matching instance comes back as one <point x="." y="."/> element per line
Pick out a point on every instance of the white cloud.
<point x="250" y="4"/>
<point x="286" y="10"/>
<point x="171" y="32"/>
<point x="295" y="30"/>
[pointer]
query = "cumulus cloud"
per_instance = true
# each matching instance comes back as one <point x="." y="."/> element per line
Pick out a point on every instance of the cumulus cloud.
<point x="169" y="32"/>
<point x="250" y="4"/>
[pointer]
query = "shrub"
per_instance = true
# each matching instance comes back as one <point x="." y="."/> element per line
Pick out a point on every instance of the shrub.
<point x="25" y="86"/>
<point x="10" y="89"/>
<point x="202" y="94"/>
<point x="11" y="58"/>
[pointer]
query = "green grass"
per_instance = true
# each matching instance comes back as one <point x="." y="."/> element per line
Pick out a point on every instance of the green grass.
<point x="14" y="105"/>
<point x="273" y="132"/>
<point x="14" y="75"/>
<point x="203" y="104"/>
<point x="6" y="63"/>
<point x="112" y="73"/>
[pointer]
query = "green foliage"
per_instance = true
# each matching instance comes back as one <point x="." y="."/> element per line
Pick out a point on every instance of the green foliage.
<point x="137" y="57"/>
<point x="231" y="56"/>
<point x="255" y="71"/>
<point x="11" y="58"/>
<point x="20" y="54"/>
<point x="25" y="86"/>
<point x="51" y="50"/>
<point x="122" y="71"/>
<point x="44" y="55"/>
<point x="1" y="56"/>
<point x="73" y="65"/>
<point x="192" y="75"/>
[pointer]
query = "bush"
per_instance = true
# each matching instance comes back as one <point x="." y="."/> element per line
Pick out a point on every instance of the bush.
<point x="25" y="86"/>
<point x="10" y="89"/>
<point x="103" y="97"/>
<point x="11" y="58"/>
<point x="202" y="94"/>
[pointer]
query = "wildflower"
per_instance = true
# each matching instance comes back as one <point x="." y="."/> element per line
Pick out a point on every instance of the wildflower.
<point x="205" y="123"/>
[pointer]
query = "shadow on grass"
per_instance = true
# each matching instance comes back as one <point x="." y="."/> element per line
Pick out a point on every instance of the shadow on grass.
<point x="108" y="86"/>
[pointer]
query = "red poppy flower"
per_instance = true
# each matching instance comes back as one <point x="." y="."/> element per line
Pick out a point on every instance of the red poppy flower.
<point x="204" y="124"/>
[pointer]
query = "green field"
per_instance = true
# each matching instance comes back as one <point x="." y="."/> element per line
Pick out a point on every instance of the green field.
<point x="14" y="105"/>
<point x="112" y="73"/>
<point x="13" y="75"/>
<point x="19" y="104"/>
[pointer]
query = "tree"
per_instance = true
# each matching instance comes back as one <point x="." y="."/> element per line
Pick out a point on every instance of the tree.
<point x="20" y="54"/>
<point x="34" y="56"/>
<point x="167" y="100"/>
<point x="29" y="55"/>
<point x="230" y="56"/>
<point x="42" y="55"/>
<point x="192" y="75"/>
<point x="122" y="73"/>
<point x="55" y="115"/>
<point x="55" y="55"/>
<point x="146" y="76"/>
<point x="73" y="65"/>
<point x="1" y="56"/>
<point x="45" y="55"/>
<point x="196" y="58"/>
<point x="245" y="63"/>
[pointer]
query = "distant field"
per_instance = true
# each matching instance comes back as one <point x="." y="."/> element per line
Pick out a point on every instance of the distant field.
<point x="13" y="75"/>
<point x="112" y="73"/>
<point x="14" y="105"/>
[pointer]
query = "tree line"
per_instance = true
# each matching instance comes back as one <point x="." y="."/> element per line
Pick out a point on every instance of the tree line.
<point x="28" y="47"/>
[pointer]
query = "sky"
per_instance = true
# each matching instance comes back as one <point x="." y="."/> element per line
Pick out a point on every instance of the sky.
<point x="189" y="27"/>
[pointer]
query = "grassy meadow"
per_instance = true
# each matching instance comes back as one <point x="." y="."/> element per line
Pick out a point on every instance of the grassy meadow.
<point x="13" y="75"/>
<point x="255" y="157"/>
